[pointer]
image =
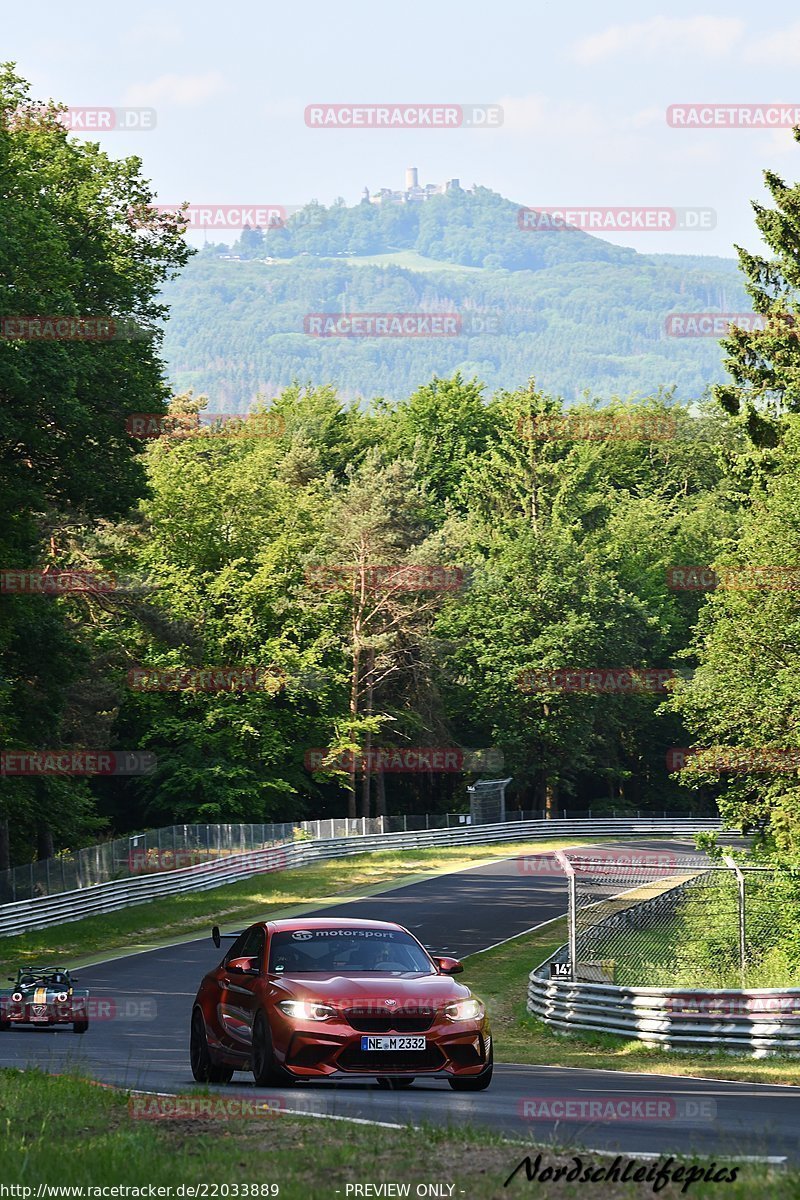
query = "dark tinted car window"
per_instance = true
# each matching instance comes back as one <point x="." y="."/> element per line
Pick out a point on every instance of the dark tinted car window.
<point x="347" y="952"/>
<point x="249" y="945"/>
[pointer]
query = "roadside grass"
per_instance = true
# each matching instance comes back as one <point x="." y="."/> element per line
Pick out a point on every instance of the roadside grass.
<point x="160" y="922"/>
<point x="500" y="978"/>
<point x="64" y="1131"/>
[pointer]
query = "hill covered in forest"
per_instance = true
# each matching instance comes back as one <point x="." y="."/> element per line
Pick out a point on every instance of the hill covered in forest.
<point x="578" y="312"/>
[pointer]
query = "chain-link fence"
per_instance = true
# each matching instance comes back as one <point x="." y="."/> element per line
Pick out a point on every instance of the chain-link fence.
<point x="187" y="845"/>
<point x="157" y="850"/>
<point x="659" y="919"/>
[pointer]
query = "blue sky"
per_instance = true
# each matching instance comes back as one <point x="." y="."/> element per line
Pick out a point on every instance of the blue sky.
<point x="584" y="89"/>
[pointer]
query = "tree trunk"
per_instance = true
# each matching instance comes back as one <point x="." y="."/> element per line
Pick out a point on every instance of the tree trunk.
<point x="354" y="688"/>
<point x="380" y="794"/>
<point x="367" y="780"/>
<point x="44" y="842"/>
<point x="5" y="845"/>
<point x="366" y="787"/>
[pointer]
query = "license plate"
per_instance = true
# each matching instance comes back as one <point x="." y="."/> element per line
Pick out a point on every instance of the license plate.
<point x="393" y="1043"/>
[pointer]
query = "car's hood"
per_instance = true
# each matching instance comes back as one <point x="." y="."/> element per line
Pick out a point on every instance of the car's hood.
<point x="344" y="990"/>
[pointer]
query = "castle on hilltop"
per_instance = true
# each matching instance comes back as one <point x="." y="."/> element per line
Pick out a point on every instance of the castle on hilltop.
<point x="413" y="192"/>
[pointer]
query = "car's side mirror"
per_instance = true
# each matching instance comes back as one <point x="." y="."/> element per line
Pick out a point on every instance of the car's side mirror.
<point x="449" y="966"/>
<point x="243" y="966"/>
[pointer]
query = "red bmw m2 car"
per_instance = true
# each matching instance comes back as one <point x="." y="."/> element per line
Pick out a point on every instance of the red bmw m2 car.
<point x="313" y="998"/>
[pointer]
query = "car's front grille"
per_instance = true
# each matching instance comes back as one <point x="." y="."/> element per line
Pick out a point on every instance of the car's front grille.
<point x="367" y="1020"/>
<point x="378" y="1061"/>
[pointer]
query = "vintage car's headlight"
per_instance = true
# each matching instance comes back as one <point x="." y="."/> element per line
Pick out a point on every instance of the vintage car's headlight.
<point x="464" y="1010"/>
<point x="17" y="997"/>
<point x="306" y="1010"/>
<point x="62" y="997"/>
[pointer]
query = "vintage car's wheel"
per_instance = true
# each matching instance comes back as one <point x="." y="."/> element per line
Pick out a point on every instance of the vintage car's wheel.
<point x="4" y="1025"/>
<point x="80" y="1026"/>
<point x="204" y="1069"/>
<point x="266" y="1071"/>
<point x="478" y="1082"/>
<point x="385" y="1081"/>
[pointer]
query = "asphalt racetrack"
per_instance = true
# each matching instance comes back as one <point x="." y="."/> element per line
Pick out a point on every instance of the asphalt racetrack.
<point x="146" y="1047"/>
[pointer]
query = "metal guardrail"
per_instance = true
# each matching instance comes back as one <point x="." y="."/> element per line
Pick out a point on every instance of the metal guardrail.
<point x="763" y="1021"/>
<point x="44" y="911"/>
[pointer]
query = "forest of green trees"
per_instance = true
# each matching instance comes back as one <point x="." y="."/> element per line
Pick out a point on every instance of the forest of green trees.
<point x="564" y="537"/>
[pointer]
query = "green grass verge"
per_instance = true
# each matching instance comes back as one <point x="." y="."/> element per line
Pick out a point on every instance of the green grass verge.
<point x="161" y="922"/>
<point x="66" y="1132"/>
<point x="500" y="978"/>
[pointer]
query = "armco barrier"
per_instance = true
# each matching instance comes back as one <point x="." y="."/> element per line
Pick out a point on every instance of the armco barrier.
<point x="758" y="1022"/>
<point x="44" y="911"/>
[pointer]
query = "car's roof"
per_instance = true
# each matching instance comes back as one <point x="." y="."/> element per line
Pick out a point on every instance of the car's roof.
<point x="291" y="923"/>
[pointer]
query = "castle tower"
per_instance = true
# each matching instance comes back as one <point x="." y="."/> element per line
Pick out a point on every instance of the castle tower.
<point x="411" y="178"/>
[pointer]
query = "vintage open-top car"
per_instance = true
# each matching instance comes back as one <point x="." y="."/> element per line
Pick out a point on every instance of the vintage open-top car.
<point x="44" y="996"/>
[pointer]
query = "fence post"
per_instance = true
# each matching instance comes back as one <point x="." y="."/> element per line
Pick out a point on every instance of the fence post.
<point x="740" y="887"/>
<point x="567" y="868"/>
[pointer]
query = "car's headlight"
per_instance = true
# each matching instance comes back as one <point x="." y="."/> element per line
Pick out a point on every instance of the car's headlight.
<point x="17" y="997"/>
<point x="62" y="997"/>
<point x="464" y="1010"/>
<point x="306" y="1010"/>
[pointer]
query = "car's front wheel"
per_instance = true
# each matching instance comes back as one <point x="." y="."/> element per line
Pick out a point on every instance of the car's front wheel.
<point x="474" y="1083"/>
<point x="80" y="1026"/>
<point x="266" y="1071"/>
<point x="204" y="1069"/>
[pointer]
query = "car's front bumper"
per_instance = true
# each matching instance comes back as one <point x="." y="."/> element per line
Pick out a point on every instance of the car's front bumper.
<point x="321" y="1049"/>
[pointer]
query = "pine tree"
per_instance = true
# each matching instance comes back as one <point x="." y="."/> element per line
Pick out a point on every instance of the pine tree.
<point x="764" y="364"/>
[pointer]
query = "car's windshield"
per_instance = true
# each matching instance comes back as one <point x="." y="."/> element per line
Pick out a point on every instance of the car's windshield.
<point x="347" y="952"/>
<point x="42" y="979"/>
